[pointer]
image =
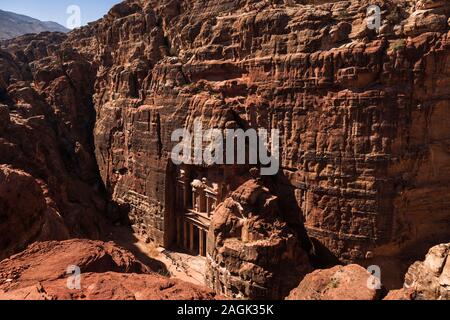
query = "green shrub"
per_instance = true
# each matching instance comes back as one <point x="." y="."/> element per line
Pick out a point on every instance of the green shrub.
<point x="397" y="45"/>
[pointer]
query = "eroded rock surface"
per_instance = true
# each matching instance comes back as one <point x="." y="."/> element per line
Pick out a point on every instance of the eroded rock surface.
<point x="50" y="187"/>
<point x="430" y="279"/>
<point x="351" y="282"/>
<point x="25" y="215"/>
<point x="252" y="253"/>
<point x="107" y="272"/>
<point x="364" y="140"/>
<point x="113" y="286"/>
<point x="401" y="295"/>
<point x="363" y="116"/>
<point x="51" y="260"/>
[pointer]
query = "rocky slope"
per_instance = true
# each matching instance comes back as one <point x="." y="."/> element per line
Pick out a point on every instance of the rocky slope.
<point x="107" y="272"/>
<point x="430" y="279"/>
<point x="25" y="215"/>
<point x="363" y="119"/>
<point x="425" y="280"/>
<point x="13" y="25"/>
<point x="252" y="254"/>
<point x="46" y="143"/>
<point x="351" y="282"/>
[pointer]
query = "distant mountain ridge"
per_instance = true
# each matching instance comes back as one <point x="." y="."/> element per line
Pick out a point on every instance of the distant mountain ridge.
<point x="14" y="25"/>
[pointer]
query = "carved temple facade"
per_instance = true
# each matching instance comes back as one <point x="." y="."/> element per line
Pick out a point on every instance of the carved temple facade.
<point x="198" y="192"/>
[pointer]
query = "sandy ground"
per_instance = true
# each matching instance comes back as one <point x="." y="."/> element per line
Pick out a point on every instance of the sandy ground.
<point x="179" y="265"/>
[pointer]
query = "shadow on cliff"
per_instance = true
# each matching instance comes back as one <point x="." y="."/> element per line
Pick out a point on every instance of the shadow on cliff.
<point x="320" y="256"/>
<point x="280" y="185"/>
<point x="119" y="231"/>
<point x="116" y="225"/>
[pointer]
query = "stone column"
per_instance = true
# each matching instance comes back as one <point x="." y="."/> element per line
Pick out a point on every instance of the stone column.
<point x="201" y="242"/>
<point x="180" y="231"/>
<point x="194" y="200"/>
<point x="185" y="235"/>
<point x="191" y="242"/>
<point x="208" y="199"/>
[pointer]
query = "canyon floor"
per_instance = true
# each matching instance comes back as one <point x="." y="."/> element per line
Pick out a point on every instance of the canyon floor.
<point x="173" y="263"/>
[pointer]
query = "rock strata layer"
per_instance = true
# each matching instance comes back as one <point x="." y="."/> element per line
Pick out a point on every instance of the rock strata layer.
<point x="364" y="140"/>
<point x="430" y="279"/>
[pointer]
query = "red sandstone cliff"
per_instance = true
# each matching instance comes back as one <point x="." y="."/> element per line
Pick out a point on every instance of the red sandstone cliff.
<point x="364" y="140"/>
<point x="86" y="120"/>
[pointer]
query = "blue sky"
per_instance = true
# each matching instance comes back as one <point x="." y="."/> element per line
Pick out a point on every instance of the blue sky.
<point x="56" y="10"/>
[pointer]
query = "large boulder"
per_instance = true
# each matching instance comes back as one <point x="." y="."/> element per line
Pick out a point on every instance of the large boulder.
<point x="430" y="279"/>
<point x="25" y="214"/>
<point x="252" y="253"/>
<point x="351" y="282"/>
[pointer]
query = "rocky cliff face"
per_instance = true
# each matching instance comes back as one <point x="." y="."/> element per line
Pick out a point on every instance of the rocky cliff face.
<point x="364" y="143"/>
<point x="362" y="115"/>
<point x="252" y="253"/>
<point x="50" y="183"/>
<point x="430" y="279"/>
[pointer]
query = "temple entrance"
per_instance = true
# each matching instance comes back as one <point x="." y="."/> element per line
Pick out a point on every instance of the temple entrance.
<point x="198" y="192"/>
<point x="191" y="236"/>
